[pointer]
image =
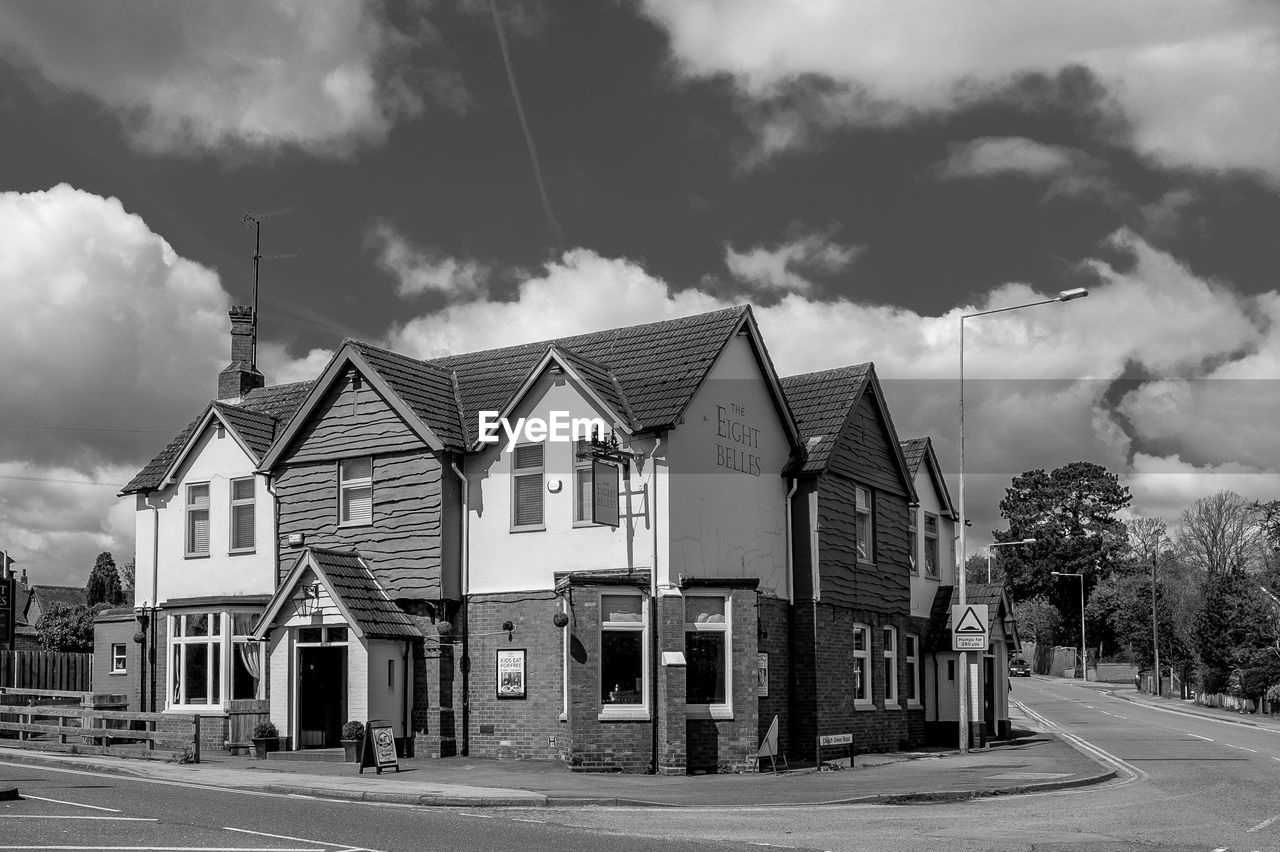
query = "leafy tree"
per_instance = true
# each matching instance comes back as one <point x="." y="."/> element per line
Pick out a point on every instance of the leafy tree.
<point x="1071" y="512"/>
<point x="64" y="627"/>
<point x="1237" y="619"/>
<point x="1222" y="534"/>
<point x="104" y="582"/>
<point x="1037" y="620"/>
<point x="975" y="569"/>
<point x="128" y="576"/>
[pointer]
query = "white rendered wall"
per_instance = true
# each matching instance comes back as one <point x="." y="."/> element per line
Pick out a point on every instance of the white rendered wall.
<point x="505" y="560"/>
<point x="727" y="493"/>
<point x="220" y="574"/>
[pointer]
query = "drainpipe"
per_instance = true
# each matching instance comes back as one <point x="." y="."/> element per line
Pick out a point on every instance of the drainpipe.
<point x="791" y="585"/>
<point x="465" y="580"/>
<point x="816" y="579"/>
<point x="655" y="608"/>
<point x="155" y="595"/>
<point x="407" y="661"/>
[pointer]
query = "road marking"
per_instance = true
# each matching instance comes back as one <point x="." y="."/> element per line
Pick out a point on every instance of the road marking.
<point x="1133" y="773"/>
<point x="75" y="804"/>
<point x="1263" y="824"/>
<point x="344" y="846"/>
<point x="1197" y="736"/>
<point x="475" y="816"/>
<point x="78" y="816"/>
<point x="164" y="848"/>
<point x="523" y="819"/>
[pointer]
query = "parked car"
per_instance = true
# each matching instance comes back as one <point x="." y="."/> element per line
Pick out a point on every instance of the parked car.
<point x="1019" y="668"/>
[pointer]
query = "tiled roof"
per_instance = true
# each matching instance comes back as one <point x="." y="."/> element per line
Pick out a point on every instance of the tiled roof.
<point x="601" y="380"/>
<point x="820" y="403"/>
<point x="913" y="450"/>
<point x="657" y="366"/>
<point x="249" y="419"/>
<point x="425" y="387"/>
<point x="352" y="581"/>
<point x="69" y="595"/>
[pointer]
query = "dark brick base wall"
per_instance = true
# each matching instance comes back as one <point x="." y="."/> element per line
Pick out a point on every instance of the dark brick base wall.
<point x="129" y="682"/>
<point x="773" y="637"/>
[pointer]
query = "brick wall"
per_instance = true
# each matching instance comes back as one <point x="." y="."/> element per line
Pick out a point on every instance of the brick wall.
<point x="729" y="745"/>
<point x="436" y="711"/>
<point x="526" y="728"/>
<point x="773" y="637"/>
<point x="117" y="630"/>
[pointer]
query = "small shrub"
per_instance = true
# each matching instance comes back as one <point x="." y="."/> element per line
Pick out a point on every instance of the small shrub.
<point x="264" y="730"/>
<point x="353" y="730"/>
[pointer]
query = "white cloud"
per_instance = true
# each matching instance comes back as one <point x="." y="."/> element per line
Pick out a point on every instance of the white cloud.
<point x="1162" y="486"/>
<point x="1037" y="380"/>
<point x="1196" y="81"/>
<point x="1067" y="172"/>
<point x="419" y="271"/>
<point x="785" y="267"/>
<point x="324" y="76"/>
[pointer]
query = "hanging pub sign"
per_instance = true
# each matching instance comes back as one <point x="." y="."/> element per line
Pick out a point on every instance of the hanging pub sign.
<point x="379" y="749"/>
<point x="604" y="493"/>
<point x="511" y="673"/>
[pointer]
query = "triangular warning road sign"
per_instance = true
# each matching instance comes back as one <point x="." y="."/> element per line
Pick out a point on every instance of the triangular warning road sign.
<point x="971" y="623"/>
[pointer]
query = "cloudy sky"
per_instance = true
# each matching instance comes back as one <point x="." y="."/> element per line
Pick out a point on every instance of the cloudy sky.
<point x="862" y="173"/>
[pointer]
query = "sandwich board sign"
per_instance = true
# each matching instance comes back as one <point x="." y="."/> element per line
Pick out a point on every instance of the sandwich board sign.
<point x="379" y="746"/>
<point x="969" y="627"/>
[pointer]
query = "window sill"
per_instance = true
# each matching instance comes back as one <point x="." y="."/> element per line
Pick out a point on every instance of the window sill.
<point x="117" y="672"/>
<point x="895" y="706"/>
<point x="610" y="714"/>
<point x="719" y="712"/>
<point x="195" y="556"/>
<point x="542" y="528"/>
<point x="864" y="706"/>
<point x="344" y="525"/>
<point x="244" y="551"/>
<point x="914" y="705"/>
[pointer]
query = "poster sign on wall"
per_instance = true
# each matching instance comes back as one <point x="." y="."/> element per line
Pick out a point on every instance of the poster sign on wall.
<point x="762" y="675"/>
<point x="7" y="607"/>
<point x="511" y="673"/>
<point x="604" y="493"/>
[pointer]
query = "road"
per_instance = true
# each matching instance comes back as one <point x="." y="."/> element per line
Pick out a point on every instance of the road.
<point x="73" y="810"/>
<point x="1185" y="783"/>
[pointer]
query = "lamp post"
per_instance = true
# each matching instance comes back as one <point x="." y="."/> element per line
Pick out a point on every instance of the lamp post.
<point x="1064" y="296"/>
<point x="994" y="545"/>
<point x="1084" y="659"/>
<point x="1155" y="630"/>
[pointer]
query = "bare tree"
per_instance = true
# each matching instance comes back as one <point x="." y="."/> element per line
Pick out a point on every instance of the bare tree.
<point x="1222" y="534"/>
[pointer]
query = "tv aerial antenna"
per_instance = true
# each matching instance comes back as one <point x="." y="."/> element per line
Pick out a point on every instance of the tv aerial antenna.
<point x="255" y="221"/>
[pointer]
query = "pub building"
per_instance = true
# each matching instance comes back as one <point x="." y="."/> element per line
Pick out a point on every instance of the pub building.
<point x="626" y="598"/>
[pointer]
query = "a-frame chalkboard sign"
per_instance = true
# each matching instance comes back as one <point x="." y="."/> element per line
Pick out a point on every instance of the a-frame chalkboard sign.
<point x="379" y="748"/>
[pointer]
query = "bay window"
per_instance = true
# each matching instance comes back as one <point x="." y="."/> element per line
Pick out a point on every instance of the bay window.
<point x="212" y="659"/>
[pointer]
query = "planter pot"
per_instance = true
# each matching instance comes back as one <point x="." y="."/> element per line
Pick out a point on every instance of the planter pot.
<point x="262" y="745"/>
<point x="352" y="750"/>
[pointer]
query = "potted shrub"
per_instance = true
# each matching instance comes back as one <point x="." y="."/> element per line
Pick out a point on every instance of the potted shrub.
<point x="352" y="739"/>
<point x="265" y="738"/>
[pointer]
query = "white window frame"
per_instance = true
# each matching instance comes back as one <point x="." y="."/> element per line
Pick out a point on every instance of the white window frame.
<point x="865" y="656"/>
<point x="193" y="511"/>
<point x="234" y="504"/>
<point x="724" y="709"/>
<point x="913" y="536"/>
<point x="864" y="510"/>
<point x="889" y="636"/>
<point x="540" y="471"/>
<point x="235" y="639"/>
<point x="911" y="653"/>
<point x="640" y="711"/>
<point x="119" y="658"/>
<point x="353" y="484"/>
<point x="176" y="699"/>
<point x="936" y="540"/>
<point x="581" y="466"/>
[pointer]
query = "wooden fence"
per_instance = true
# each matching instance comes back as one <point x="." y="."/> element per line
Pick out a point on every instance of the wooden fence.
<point x="46" y="670"/>
<point x="83" y="730"/>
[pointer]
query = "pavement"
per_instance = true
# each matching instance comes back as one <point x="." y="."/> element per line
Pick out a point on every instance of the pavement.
<point x="1031" y="761"/>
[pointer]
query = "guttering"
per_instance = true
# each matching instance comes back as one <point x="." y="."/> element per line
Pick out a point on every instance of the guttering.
<point x="790" y="559"/>
<point x="465" y="567"/>
<point x="155" y="595"/>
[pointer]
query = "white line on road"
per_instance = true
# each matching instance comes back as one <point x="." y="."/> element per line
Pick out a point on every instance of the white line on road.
<point x="1197" y="736"/>
<point x="524" y="819"/>
<point x="1243" y="748"/>
<point x="164" y="848"/>
<point x="475" y="816"/>
<point x="345" y="846"/>
<point x="75" y="804"/>
<point x="1263" y="824"/>
<point x="79" y="816"/>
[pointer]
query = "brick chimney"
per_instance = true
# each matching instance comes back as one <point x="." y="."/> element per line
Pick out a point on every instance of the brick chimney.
<point x="241" y="375"/>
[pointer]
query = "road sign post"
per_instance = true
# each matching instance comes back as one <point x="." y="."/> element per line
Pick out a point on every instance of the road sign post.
<point x="969" y="627"/>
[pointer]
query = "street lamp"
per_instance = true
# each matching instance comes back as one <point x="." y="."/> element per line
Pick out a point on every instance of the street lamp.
<point x="996" y="544"/>
<point x="1084" y="659"/>
<point x="1155" y="630"/>
<point x="1064" y="296"/>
